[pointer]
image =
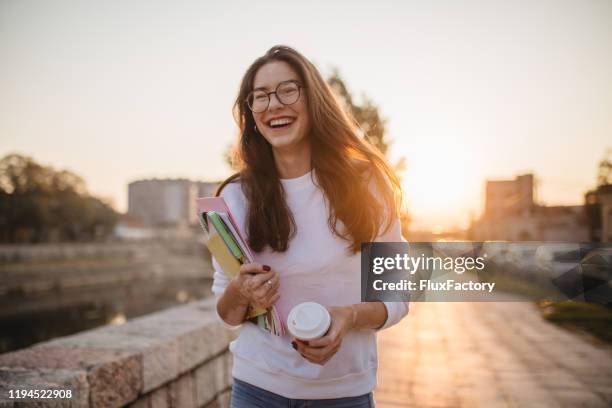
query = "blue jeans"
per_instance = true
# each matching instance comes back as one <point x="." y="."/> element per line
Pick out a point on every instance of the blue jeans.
<point x="245" y="395"/>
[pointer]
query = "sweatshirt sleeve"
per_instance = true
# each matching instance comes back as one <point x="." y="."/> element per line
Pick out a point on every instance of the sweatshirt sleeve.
<point x="220" y="283"/>
<point x="395" y="310"/>
<point x="220" y="279"/>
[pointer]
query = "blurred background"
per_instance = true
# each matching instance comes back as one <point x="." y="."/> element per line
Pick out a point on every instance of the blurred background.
<point x="116" y="115"/>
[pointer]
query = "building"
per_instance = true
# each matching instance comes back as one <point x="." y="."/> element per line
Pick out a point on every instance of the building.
<point x="511" y="214"/>
<point x="166" y="202"/>
<point x="509" y="197"/>
<point x="599" y="212"/>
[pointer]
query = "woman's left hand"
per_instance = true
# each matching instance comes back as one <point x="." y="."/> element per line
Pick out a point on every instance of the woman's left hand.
<point x="319" y="351"/>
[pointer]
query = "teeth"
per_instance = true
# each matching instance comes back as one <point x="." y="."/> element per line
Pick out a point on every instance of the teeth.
<point x="282" y="121"/>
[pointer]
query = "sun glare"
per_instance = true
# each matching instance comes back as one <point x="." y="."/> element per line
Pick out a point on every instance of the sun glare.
<point x="441" y="185"/>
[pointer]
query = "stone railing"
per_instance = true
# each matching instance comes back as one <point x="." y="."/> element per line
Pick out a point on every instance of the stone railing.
<point x="175" y="358"/>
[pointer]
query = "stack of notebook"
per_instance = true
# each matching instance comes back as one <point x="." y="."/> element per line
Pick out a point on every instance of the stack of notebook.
<point x="229" y="248"/>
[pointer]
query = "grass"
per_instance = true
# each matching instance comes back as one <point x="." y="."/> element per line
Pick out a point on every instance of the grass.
<point x="591" y="318"/>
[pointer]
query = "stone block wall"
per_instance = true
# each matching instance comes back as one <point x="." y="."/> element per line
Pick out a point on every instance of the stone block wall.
<point x="175" y="358"/>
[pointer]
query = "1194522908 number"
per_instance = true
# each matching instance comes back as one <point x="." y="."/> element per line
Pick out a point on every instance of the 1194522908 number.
<point x="39" y="394"/>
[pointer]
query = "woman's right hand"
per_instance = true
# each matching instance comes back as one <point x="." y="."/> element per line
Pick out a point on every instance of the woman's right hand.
<point x="258" y="284"/>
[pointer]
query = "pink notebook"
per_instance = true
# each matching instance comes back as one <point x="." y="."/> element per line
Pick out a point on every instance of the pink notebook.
<point x="206" y="204"/>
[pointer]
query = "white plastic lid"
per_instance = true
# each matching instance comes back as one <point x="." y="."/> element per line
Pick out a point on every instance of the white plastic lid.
<point x="308" y="321"/>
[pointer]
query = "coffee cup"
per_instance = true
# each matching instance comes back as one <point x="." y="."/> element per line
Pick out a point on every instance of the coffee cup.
<point x="308" y="321"/>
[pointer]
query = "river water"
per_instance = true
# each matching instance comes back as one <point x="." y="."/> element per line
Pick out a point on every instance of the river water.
<point x="102" y="306"/>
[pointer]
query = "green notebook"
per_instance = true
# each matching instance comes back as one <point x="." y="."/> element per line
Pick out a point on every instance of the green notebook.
<point x="226" y="235"/>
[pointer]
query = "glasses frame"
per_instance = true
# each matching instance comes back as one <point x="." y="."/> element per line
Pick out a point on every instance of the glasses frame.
<point x="275" y="92"/>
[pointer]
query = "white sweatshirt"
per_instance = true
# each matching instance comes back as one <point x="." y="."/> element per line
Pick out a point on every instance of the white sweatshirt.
<point x="316" y="267"/>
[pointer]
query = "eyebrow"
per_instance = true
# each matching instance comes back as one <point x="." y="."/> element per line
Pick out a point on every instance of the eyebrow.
<point x="265" y="88"/>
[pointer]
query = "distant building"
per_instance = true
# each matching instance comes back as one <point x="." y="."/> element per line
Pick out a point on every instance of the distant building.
<point x="166" y="202"/>
<point x="509" y="197"/>
<point x="512" y="215"/>
<point x="599" y="212"/>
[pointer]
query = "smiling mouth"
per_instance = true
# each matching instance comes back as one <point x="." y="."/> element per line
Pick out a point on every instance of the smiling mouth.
<point x="280" y="123"/>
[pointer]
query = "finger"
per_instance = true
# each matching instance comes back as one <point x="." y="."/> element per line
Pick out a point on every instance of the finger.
<point x="317" y="353"/>
<point x="259" y="279"/>
<point x="251" y="267"/>
<point x="262" y="278"/>
<point x="328" y="358"/>
<point x="267" y="290"/>
<point x="268" y="301"/>
<point x="313" y="360"/>
<point x="264" y="297"/>
<point x="323" y="341"/>
<point x="304" y="357"/>
<point x="268" y="287"/>
<point x="271" y="298"/>
<point x="301" y="348"/>
<point x="252" y="283"/>
<point x="274" y="299"/>
<point x="330" y="353"/>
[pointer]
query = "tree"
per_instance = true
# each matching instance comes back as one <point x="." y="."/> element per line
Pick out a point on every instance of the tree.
<point x="372" y="125"/>
<point x="38" y="204"/>
<point x="604" y="175"/>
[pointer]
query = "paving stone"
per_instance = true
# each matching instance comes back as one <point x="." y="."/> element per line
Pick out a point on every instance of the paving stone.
<point x="489" y="355"/>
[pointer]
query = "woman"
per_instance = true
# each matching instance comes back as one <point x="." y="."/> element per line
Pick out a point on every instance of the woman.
<point x="309" y="192"/>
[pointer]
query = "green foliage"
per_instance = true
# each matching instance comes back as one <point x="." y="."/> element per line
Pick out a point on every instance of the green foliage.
<point x="367" y="116"/>
<point x="38" y="203"/>
<point x="604" y="175"/>
<point x="592" y="318"/>
<point x="373" y="127"/>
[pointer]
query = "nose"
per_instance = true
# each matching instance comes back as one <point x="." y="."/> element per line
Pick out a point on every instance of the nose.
<point x="274" y="102"/>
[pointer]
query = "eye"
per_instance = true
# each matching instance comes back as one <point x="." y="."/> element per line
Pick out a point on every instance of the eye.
<point x="260" y="96"/>
<point x="288" y="89"/>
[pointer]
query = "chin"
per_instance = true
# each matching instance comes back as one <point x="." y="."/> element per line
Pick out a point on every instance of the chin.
<point x="284" y="141"/>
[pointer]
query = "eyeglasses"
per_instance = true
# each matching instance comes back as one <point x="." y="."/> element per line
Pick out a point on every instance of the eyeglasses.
<point x="287" y="93"/>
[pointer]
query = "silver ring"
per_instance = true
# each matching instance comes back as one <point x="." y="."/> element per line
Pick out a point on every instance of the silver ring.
<point x="269" y="282"/>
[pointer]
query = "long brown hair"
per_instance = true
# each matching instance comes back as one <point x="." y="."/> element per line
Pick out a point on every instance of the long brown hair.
<point x="344" y="165"/>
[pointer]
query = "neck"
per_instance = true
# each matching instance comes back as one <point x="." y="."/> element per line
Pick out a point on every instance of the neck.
<point x="292" y="163"/>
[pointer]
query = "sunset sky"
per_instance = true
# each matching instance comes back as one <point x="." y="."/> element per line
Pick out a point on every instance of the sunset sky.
<point x="121" y="90"/>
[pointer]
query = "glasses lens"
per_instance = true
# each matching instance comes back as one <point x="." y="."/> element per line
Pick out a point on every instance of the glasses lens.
<point x="288" y="93"/>
<point x="258" y="101"/>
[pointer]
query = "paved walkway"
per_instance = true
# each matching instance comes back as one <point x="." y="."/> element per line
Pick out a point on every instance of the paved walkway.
<point x="489" y="355"/>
